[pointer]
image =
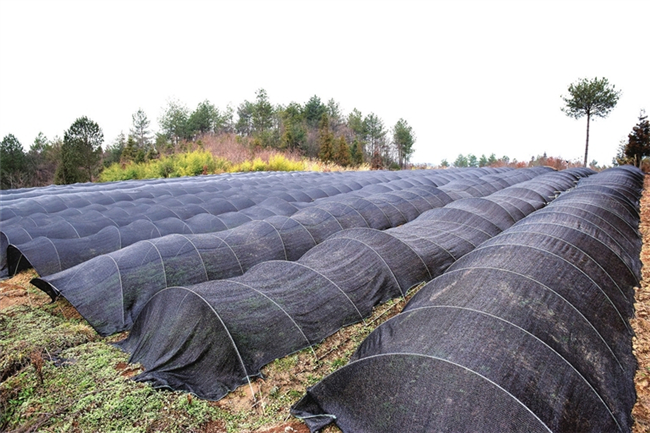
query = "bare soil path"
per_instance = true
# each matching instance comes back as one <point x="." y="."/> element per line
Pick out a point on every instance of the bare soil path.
<point x="641" y="323"/>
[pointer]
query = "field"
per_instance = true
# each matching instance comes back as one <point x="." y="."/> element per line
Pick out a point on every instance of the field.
<point x="57" y="374"/>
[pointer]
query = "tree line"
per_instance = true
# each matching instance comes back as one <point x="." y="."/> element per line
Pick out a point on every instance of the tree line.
<point x="314" y="129"/>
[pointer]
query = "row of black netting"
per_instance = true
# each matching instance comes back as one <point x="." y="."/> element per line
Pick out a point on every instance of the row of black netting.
<point x="109" y="290"/>
<point x="527" y="333"/>
<point x="52" y="237"/>
<point x="292" y="186"/>
<point x="212" y="337"/>
<point x="64" y="227"/>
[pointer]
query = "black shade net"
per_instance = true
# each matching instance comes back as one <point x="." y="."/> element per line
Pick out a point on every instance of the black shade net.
<point x="56" y="231"/>
<point x="212" y="337"/>
<point x="528" y="332"/>
<point x="110" y="289"/>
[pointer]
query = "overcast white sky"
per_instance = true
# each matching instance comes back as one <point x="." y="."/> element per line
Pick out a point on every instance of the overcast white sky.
<point x="475" y="77"/>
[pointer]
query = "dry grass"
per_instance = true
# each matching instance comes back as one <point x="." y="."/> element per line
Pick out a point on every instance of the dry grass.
<point x="227" y="146"/>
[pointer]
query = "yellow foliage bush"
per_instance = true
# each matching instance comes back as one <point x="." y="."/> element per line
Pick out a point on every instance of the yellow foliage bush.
<point x="194" y="163"/>
<point x="277" y="162"/>
<point x="199" y="162"/>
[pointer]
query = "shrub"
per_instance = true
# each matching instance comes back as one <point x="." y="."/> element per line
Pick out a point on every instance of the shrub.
<point x="194" y="163"/>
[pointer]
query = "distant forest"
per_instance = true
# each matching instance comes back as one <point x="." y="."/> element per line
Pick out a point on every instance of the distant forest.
<point x="245" y="138"/>
<point x="314" y="130"/>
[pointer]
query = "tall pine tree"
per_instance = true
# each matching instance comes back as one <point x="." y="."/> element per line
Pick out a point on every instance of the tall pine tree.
<point x="356" y="153"/>
<point x="342" y="156"/>
<point x="403" y="140"/>
<point x="326" y="140"/>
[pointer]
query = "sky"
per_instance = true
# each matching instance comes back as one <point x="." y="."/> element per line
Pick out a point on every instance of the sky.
<point x="470" y="77"/>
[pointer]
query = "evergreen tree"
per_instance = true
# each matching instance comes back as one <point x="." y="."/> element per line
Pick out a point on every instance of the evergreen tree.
<point x="620" y="158"/>
<point x="403" y="140"/>
<point x="80" y="153"/>
<point x="12" y="162"/>
<point x="326" y="140"/>
<point x="294" y="133"/>
<point x="355" y="123"/>
<point x="113" y="152"/>
<point x="356" y="153"/>
<point x="174" y="122"/>
<point x="244" y="125"/>
<point x="375" y="133"/>
<point x="131" y="152"/>
<point x="263" y="113"/>
<point x="40" y="145"/>
<point x="638" y="141"/>
<point x="357" y="131"/>
<point x="461" y="161"/>
<point x="204" y="119"/>
<point x="591" y="98"/>
<point x="343" y="157"/>
<point x="140" y="130"/>
<point x="226" y="121"/>
<point x="334" y="113"/>
<point x="313" y="111"/>
<point x="41" y="160"/>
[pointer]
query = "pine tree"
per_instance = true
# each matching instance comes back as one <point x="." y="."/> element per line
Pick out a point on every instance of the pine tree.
<point x="294" y="133"/>
<point x="80" y="152"/>
<point x="356" y="153"/>
<point x="373" y="127"/>
<point x="638" y="141"/>
<point x="314" y="111"/>
<point x="174" y="122"/>
<point x="591" y="98"/>
<point x="113" y="152"/>
<point x="403" y="140"/>
<point x="130" y="152"/>
<point x="342" y="152"/>
<point x="326" y="140"/>
<point x="140" y="130"/>
<point x="12" y="161"/>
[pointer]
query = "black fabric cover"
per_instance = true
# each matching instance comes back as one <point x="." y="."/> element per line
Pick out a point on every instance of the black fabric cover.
<point x="187" y="205"/>
<point x="226" y="254"/>
<point x="528" y="332"/>
<point x="195" y="258"/>
<point x="279" y="307"/>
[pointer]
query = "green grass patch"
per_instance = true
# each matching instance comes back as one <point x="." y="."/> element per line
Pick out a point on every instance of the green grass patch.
<point x="25" y="331"/>
<point x="59" y="375"/>
<point x="88" y="388"/>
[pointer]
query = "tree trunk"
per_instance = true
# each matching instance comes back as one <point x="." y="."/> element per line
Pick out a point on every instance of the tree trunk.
<point x="587" y="143"/>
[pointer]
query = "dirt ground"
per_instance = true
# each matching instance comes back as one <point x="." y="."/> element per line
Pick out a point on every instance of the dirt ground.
<point x="641" y="324"/>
